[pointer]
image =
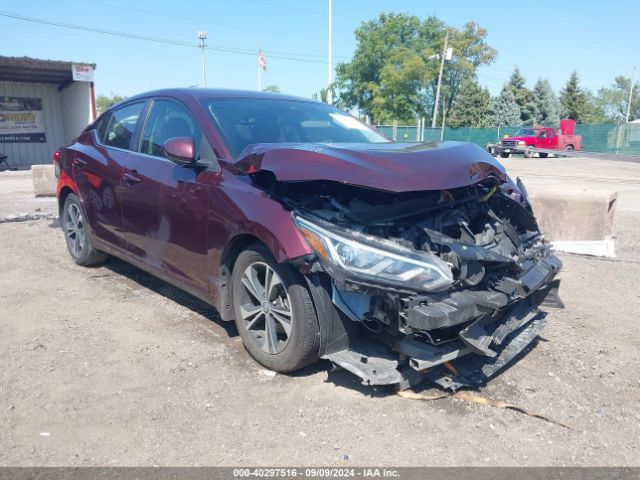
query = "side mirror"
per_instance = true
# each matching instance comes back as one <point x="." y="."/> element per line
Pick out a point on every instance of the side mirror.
<point x="181" y="150"/>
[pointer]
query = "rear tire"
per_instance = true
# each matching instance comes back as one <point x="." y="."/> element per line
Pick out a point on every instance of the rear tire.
<point x="543" y="155"/>
<point x="569" y="148"/>
<point x="76" y="233"/>
<point x="274" y="312"/>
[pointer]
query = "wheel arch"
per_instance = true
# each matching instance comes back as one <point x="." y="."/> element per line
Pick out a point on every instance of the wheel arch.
<point x="62" y="196"/>
<point x="228" y="259"/>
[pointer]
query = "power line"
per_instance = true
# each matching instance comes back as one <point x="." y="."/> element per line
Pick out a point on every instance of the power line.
<point x="294" y="57"/>
<point x="193" y="19"/>
<point x="298" y="9"/>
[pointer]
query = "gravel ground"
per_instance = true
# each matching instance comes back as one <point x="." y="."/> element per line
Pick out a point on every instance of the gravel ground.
<point x="109" y="366"/>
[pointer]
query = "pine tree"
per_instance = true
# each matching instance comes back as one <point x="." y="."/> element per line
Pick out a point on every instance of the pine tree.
<point x="574" y="100"/>
<point x="504" y="111"/>
<point x="471" y="107"/>
<point x="545" y="104"/>
<point x="523" y="96"/>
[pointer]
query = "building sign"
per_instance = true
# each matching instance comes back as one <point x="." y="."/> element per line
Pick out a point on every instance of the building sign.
<point x="21" y="120"/>
<point x="82" y="73"/>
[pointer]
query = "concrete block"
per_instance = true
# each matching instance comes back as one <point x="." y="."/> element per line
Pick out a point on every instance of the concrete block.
<point x="44" y="180"/>
<point x="575" y="216"/>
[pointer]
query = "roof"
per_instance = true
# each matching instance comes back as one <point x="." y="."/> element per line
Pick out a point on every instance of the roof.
<point x="35" y="70"/>
<point x="199" y="93"/>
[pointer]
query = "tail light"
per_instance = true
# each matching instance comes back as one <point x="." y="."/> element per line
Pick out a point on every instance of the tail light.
<point x="56" y="163"/>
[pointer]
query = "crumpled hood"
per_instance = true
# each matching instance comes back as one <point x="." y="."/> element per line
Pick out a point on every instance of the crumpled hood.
<point x="393" y="167"/>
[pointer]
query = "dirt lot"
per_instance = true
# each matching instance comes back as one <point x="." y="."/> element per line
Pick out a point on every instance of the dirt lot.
<point x="109" y="366"/>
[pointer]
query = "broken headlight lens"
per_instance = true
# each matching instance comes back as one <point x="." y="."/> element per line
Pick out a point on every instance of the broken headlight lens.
<point x="376" y="261"/>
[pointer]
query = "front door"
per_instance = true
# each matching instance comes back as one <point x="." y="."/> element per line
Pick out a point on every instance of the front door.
<point x="166" y="204"/>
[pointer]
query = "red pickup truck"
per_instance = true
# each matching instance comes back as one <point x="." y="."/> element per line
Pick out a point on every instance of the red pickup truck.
<point x="529" y="138"/>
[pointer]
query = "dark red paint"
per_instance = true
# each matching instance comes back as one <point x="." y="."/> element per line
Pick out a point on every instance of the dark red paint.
<point x="384" y="166"/>
<point x="179" y="222"/>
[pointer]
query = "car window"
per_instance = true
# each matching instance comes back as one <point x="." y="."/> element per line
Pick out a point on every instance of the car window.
<point x="119" y="126"/>
<point x="167" y="120"/>
<point x="246" y="121"/>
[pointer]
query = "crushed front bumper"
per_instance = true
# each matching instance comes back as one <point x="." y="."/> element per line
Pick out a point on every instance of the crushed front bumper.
<point x="495" y="326"/>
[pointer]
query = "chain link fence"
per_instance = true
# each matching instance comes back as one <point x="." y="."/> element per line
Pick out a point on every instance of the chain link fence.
<point x="622" y="139"/>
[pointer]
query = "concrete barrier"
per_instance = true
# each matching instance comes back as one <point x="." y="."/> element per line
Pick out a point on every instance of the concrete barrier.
<point x="580" y="222"/>
<point x="575" y="216"/>
<point x="44" y="180"/>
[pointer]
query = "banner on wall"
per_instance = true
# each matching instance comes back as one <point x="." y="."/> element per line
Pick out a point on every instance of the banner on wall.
<point x="21" y="120"/>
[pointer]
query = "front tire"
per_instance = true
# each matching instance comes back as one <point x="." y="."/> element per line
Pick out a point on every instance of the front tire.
<point x="76" y="232"/>
<point x="528" y="152"/>
<point x="274" y="312"/>
<point x="504" y="155"/>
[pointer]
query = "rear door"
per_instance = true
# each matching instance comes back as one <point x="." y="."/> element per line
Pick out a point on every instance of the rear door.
<point x="98" y="168"/>
<point x="166" y="204"/>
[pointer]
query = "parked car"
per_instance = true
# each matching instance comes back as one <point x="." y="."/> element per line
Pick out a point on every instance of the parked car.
<point x="320" y="237"/>
<point x="546" y="138"/>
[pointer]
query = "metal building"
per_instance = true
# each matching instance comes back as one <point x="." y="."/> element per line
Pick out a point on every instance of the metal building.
<point x="43" y="105"/>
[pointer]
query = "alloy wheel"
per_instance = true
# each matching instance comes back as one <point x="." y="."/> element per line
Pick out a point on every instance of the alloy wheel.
<point x="265" y="308"/>
<point x="74" y="229"/>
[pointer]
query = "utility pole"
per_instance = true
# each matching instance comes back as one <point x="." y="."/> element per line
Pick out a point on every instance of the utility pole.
<point x="444" y="116"/>
<point x="330" y="64"/>
<point x="633" y="79"/>
<point x="202" y="36"/>
<point x="626" y="117"/>
<point x="435" y="104"/>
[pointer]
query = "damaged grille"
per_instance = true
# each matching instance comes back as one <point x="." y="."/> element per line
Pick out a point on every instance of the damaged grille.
<point x="486" y="233"/>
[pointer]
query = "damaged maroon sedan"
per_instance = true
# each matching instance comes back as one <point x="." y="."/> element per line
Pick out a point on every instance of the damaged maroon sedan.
<point x="317" y="235"/>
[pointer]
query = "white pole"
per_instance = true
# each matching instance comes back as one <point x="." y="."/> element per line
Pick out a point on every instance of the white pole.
<point x="330" y="64"/>
<point x="435" y="103"/>
<point x="203" y="81"/>
<point x="633" y="79"/>
<point x="444" y="115"/>
<point x="259" y="77"/>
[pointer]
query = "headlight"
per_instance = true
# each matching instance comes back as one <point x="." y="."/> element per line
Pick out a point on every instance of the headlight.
<point x="521" y="143"/>
<point x="375" y="261"/>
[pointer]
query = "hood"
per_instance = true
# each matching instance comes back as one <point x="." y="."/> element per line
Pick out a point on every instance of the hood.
<point x="520" y="137"/>
<point x="393" y="167"/>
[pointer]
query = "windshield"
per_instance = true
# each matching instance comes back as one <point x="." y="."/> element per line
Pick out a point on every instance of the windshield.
<point x="527" y="132"/>
<point x="244" y="121"/>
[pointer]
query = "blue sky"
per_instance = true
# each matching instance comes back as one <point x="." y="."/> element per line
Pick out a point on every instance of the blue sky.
<point x="545" y="39"/>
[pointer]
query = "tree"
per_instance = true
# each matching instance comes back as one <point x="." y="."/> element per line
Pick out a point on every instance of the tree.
<point x="575" y="100"/>
<point x="391" y="74"/>
<point x="613" y="101"/>
<point x="398" y="96"/>
<point x="470" y="51"/>
<point x="503" y="110"/>
<point x="271" y="88"/>
<point x="103" y="102"/>
<point x="522" y="95"/>
<point x="471" y="107"/>
<point x="545" y="104"/>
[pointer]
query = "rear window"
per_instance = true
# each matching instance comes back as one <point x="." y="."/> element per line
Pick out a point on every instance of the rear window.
<point x="117" y="129"/>
<point x="246" y="121"/>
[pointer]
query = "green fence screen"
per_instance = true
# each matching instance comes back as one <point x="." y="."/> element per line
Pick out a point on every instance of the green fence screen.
<point x="621" y="139"/>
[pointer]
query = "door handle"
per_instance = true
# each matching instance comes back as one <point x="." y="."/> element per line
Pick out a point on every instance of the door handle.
<point x="78" y="162"/>
<point x="131" y="178"/>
